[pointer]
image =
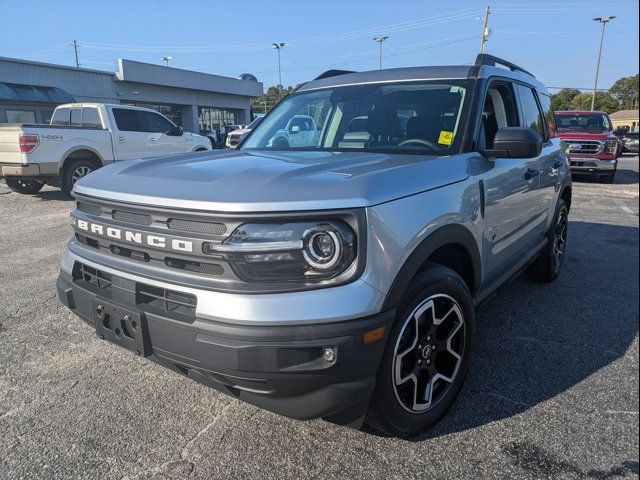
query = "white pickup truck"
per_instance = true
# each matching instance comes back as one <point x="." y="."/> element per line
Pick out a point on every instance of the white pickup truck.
<point x="83" y="137"/>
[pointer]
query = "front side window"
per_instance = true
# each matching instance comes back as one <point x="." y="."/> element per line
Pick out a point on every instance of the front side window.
<point x="398" y="118"/>
<point x="596" y="122"/>
<point x="154" y="123"/>
<point x="531" y="115"/>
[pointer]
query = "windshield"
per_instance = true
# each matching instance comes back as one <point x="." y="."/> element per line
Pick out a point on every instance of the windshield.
<point x="588" y="121"/>
<point x="401" y="118"/>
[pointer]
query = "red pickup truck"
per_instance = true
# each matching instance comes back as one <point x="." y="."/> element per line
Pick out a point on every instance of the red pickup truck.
<point x="591" y="145"/>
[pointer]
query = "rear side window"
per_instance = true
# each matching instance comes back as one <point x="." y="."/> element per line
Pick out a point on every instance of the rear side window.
<point x="549" y="115"/>
<point x="90" y="117"/>
<point x="531" y="115"/>
<point x="60" y="117"/>
<point x="76" y="117"/>
<point x="127" y="120"/>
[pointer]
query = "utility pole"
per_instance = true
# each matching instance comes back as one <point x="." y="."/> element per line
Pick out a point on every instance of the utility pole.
<point x="603" y="21"/>
<point x="75" y="50"/>
<point x="486" y="31"/>
<point x="278" y="47"/>
<point x="380" y="40"/>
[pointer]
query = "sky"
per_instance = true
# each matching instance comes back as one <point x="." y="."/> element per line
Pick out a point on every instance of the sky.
<point x="557" y="41"/>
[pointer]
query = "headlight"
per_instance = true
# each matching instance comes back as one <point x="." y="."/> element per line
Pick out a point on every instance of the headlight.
<point x="611" y="146"/>
<point x="288" y="252"/>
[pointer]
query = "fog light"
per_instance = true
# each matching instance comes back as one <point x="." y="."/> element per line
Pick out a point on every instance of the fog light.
<point x="329" y="354"/>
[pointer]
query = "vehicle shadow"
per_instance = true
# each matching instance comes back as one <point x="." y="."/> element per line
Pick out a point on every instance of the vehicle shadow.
<point x="535" y="341"/>
<point x="624" y="176"/>
<point x="57" y="195"/>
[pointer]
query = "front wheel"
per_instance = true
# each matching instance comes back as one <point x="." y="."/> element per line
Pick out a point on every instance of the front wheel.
<point x="26" y="187"/>
<point x="608" y="178"/>
<point x="428" y="354"/>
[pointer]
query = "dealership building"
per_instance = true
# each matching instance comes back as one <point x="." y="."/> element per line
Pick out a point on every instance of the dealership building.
<point x="199" y="102"/>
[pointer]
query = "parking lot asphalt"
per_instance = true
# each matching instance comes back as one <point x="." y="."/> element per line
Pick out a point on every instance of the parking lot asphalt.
<point x="553" y="390"/>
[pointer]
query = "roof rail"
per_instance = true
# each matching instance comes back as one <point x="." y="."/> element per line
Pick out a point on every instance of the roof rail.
<point x="486" y="59"/>
<point x="333" y="73"/>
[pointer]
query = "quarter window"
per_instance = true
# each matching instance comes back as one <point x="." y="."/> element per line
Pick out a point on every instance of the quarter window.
<point x="531" y="115"/>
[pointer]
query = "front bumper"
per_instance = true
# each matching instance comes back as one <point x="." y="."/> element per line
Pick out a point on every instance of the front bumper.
<point x="279" y="368"/>
<point x="593" y="164"/>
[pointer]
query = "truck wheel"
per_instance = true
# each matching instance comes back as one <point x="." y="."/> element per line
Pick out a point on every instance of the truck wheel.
<point x="27" y="187"/>
<point x="74" y="171"/>
<point x="427" y="356"/>
<point x="547" y="266"/>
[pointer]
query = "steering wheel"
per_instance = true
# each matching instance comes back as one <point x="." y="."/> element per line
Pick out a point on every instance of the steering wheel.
<point x="420" y="142"/>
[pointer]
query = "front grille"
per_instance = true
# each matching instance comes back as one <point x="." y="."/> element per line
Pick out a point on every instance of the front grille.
<point x="177" y="305"/>
<point x="137" y="218"/>
<point x="588" y="147"/>
<point x="89" y="208"/>
<point x="197" y="227"/>
<point x="191" y="266"/>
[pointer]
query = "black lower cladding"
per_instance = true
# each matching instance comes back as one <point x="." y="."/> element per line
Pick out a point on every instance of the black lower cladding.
<point x="281" y="369"/>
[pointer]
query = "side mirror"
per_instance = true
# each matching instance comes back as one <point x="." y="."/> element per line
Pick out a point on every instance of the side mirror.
<point x="294" y="129"/>
<point x="515" y="142"/>
<point x="176" y="132"/>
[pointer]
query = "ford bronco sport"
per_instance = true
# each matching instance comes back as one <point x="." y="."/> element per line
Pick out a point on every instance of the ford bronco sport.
<point x="335" y="279"/>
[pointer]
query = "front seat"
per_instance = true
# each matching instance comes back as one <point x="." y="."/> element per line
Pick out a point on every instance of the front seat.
<point x="383" y="125"/>
<point x="425" y="128"/>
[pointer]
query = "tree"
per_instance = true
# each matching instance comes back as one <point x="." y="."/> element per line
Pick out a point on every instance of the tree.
<point x="605" y="102"/>
<point x="562" y="100"/>
<point x="267" y="101"/>
<point x="625" y="91"/>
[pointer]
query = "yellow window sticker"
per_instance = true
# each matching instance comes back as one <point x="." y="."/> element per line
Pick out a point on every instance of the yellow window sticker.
<point x="445" y="138"/>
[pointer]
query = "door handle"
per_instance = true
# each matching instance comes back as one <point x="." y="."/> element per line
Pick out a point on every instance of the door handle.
<point x="120" y="138"/>
<point x="531" y="173"/>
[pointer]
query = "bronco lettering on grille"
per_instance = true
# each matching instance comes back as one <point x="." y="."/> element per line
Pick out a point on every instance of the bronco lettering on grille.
<point x="131" y="236"/>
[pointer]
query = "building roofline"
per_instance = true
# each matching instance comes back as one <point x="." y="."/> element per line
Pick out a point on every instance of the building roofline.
<point x="55" y="65"/>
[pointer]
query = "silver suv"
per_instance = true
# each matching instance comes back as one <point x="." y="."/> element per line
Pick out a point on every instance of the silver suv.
<point x="335" y="278"/>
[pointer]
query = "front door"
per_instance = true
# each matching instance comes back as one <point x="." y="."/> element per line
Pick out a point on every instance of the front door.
<point x="162" y="135"/>
<point x="513" y="220"/>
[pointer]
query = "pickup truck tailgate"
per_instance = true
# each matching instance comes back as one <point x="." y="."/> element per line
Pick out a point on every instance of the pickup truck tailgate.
<point x="10" y="146"/>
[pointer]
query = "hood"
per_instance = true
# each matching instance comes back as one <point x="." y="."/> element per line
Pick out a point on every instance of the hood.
<point x="240" y="131"/>
<point x="586" y="135"/>
<point x="238" y="181"/>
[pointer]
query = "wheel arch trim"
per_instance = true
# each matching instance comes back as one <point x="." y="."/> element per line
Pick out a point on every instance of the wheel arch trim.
<point x="454" y="234"/>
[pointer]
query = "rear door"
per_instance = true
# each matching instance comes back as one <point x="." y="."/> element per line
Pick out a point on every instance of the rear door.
<point x="130" y="138"/>
<point x="547" y="165"/>
<point x="160" y="142"/>
<point x="511" y="186"/>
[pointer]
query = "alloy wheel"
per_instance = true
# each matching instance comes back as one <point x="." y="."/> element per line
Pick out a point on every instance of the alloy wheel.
<point x="80" y="172"/>
<point x="428" y="353"/>
<point x="560" y="239"/>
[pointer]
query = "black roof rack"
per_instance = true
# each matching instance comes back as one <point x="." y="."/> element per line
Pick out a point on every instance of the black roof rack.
<point x="486" y="59"/>
<point x="333" y="73"/>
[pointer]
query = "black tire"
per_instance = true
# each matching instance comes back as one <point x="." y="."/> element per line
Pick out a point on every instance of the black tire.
<point x="24" y="186"/>
<point x="74" y="170"/>
<point x="608" y="178"/>
<point x="546" y="267"/>
<point x="390" y="410"/>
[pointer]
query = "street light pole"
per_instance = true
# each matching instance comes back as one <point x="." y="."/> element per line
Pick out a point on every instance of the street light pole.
<point x="603" y="21"/>
<point x="380" y="40"/>
<point x="278" y="47"/>
<point x="166" y="59"/>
